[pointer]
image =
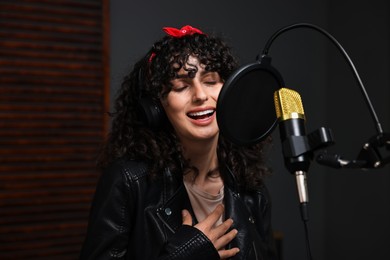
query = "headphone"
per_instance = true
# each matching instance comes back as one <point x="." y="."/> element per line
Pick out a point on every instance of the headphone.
<point x="151" y="112"/>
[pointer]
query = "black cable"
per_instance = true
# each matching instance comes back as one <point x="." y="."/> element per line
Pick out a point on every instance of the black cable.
<point x="308" y="250"/>
<point x="346" y="56"/>
<point x="305" y="218"/>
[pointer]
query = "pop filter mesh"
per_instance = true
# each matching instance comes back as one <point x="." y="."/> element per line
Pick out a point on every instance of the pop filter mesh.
<point x="245" y="108"/>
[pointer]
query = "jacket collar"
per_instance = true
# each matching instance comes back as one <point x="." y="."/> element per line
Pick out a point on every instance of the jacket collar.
<point x="174" y="200"/>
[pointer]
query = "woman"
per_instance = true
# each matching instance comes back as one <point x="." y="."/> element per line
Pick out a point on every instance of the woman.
<point x="171" y="187"/>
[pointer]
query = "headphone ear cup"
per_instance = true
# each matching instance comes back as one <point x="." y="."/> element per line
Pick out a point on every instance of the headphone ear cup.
<point x="151" y="112"/>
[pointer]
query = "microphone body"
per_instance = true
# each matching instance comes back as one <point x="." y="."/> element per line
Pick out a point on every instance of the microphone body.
<point x="290" y="113"/>
<point x="293" y="134"/>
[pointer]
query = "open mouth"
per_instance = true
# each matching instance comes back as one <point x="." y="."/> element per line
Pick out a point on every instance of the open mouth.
<point x="201" y="114"/>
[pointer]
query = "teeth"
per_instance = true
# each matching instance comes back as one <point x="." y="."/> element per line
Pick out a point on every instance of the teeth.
<point x="201" y="113"/>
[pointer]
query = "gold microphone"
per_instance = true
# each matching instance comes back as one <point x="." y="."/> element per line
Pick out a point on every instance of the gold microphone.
<point x="291" y="116"/>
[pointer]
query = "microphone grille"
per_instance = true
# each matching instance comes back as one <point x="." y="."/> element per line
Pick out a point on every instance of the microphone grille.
<point x="288" y="104"/>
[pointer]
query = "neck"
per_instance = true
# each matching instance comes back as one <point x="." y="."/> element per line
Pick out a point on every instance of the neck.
<point x="203" y="156"/>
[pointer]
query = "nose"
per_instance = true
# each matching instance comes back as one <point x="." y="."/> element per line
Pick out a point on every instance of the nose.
<point x="199" y="93"/>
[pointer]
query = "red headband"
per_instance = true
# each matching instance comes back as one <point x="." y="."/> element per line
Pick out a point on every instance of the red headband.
<point x="185" y="30"/>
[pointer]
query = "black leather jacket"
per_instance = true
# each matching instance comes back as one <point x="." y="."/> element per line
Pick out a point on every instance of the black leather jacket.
<point x="133" y="217"/>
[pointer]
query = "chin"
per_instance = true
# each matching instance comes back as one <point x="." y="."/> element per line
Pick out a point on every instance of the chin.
<point x="208" y="135"/>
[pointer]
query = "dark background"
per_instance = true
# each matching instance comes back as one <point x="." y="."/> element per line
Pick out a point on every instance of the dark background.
<point x="349" y="209"/>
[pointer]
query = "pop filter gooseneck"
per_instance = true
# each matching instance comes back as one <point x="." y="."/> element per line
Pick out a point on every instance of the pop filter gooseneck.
<point x="343" y="52"/>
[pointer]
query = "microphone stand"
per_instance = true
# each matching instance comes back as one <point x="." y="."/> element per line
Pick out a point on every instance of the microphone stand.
<point x="371" y="154"/>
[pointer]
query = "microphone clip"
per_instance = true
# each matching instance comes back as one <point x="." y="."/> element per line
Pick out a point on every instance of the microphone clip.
<point x="294" y="146"/>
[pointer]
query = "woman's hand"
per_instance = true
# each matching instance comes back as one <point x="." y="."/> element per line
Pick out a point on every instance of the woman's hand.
<point x="216" y="234"/>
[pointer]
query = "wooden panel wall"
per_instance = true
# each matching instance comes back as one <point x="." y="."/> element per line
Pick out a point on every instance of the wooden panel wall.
<point x="53" y="98"/>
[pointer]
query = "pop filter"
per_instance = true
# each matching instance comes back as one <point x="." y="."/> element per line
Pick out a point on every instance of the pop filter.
<point x="245" y="107"/>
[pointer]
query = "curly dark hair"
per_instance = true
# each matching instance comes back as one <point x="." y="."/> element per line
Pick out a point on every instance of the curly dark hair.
<point x="129" y="137"/>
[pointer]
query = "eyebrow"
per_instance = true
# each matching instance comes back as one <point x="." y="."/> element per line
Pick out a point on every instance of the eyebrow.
<point x="202" y="73"/>
<point x="208" y="72"/>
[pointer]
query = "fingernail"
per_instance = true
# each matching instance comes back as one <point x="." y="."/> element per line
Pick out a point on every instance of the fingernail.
<point x="184" y="213"/>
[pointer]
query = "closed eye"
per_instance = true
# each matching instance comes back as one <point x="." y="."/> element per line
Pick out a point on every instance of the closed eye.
<point x="211" y="82"/>
<point x="211" y="78"/>
<point x="179" y="88"/>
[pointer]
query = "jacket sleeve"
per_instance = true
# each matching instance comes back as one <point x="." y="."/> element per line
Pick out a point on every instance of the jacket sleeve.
<point x="188" y="243"/>
<point x="110" y="223"/>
